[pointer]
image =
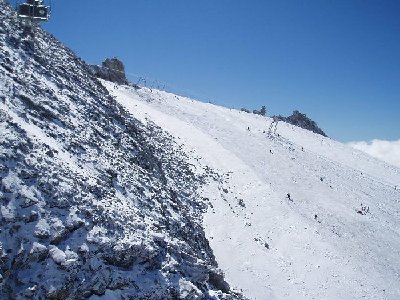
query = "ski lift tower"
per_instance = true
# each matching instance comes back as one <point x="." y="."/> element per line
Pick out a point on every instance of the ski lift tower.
<point x="33" y="11"/>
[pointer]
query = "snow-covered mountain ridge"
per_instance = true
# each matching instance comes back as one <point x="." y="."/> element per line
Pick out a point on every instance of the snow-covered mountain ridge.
<point x="93" y="203"/>
<point x="298" y="216"/>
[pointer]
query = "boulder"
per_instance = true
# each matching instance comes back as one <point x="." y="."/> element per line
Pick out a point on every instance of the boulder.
<point x="112" y="69"/>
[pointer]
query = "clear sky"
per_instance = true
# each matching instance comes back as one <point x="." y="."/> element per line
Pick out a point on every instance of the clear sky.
<point x="338" y="61"/>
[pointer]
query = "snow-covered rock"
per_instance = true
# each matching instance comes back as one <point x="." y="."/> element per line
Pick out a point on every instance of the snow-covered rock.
<point x="94" y="203"/>
<point x="112" y="69"/>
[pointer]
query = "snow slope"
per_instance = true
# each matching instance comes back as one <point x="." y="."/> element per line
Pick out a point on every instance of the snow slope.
<point x="338" y="236"/>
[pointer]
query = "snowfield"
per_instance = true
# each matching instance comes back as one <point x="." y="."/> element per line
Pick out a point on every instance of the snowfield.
<point x="337" y="236"/>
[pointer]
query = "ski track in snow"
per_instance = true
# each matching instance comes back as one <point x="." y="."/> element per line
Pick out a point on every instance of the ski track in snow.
<point x="314" y="247"/>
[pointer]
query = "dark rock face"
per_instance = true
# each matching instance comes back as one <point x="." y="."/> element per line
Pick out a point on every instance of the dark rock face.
<point x="111" y="70"/>
<point x="92" y="201"/>
<point x="301" y="120"/>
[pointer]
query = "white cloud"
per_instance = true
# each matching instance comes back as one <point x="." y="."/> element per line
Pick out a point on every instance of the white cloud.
<point x="388" y="151"/>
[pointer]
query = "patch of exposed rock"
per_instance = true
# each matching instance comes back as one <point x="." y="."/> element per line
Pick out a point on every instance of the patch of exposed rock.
<point x="112" y="69"/>
<point x="301" y="120"/>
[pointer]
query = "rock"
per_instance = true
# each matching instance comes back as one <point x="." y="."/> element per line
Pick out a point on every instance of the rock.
<point x="38" y="251"/>
<point x="216" y="278"/>
<point x="33" y="217"/>
<point x="30" y="292"/>
<point x="111" y="70"/>
<point x="301" y="120"/>
<point x="188" y="290"/>
<point x="57" y="255"/>
<point x="57" y="289"/>
<point x="42" y="229"/>
<point x="59" y="236"/>
<point x="98" y="283"/>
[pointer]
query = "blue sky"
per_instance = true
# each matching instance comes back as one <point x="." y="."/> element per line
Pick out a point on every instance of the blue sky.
<point x="338" y="61"/>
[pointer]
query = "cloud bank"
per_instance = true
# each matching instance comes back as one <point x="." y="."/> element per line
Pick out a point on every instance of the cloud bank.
<point x="388" y="151"/>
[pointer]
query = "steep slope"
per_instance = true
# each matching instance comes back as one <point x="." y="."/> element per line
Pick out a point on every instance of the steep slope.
<point x="93" y="202"/>
<point x="297" y="215"/>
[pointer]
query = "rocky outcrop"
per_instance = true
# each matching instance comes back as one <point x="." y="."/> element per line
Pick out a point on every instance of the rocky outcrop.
<point x="301" y="120"/>
<point x="92" y="201"/>
<point x="112" y="69"/>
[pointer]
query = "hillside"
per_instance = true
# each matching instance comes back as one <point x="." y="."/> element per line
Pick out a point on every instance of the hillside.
<point x="118" y="192"/>
<point x="94" y="203"/>
<point x="297" y="215"/>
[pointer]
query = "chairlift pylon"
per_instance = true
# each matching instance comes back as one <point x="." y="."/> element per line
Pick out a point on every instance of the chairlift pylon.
<point x="33" y="10"/>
